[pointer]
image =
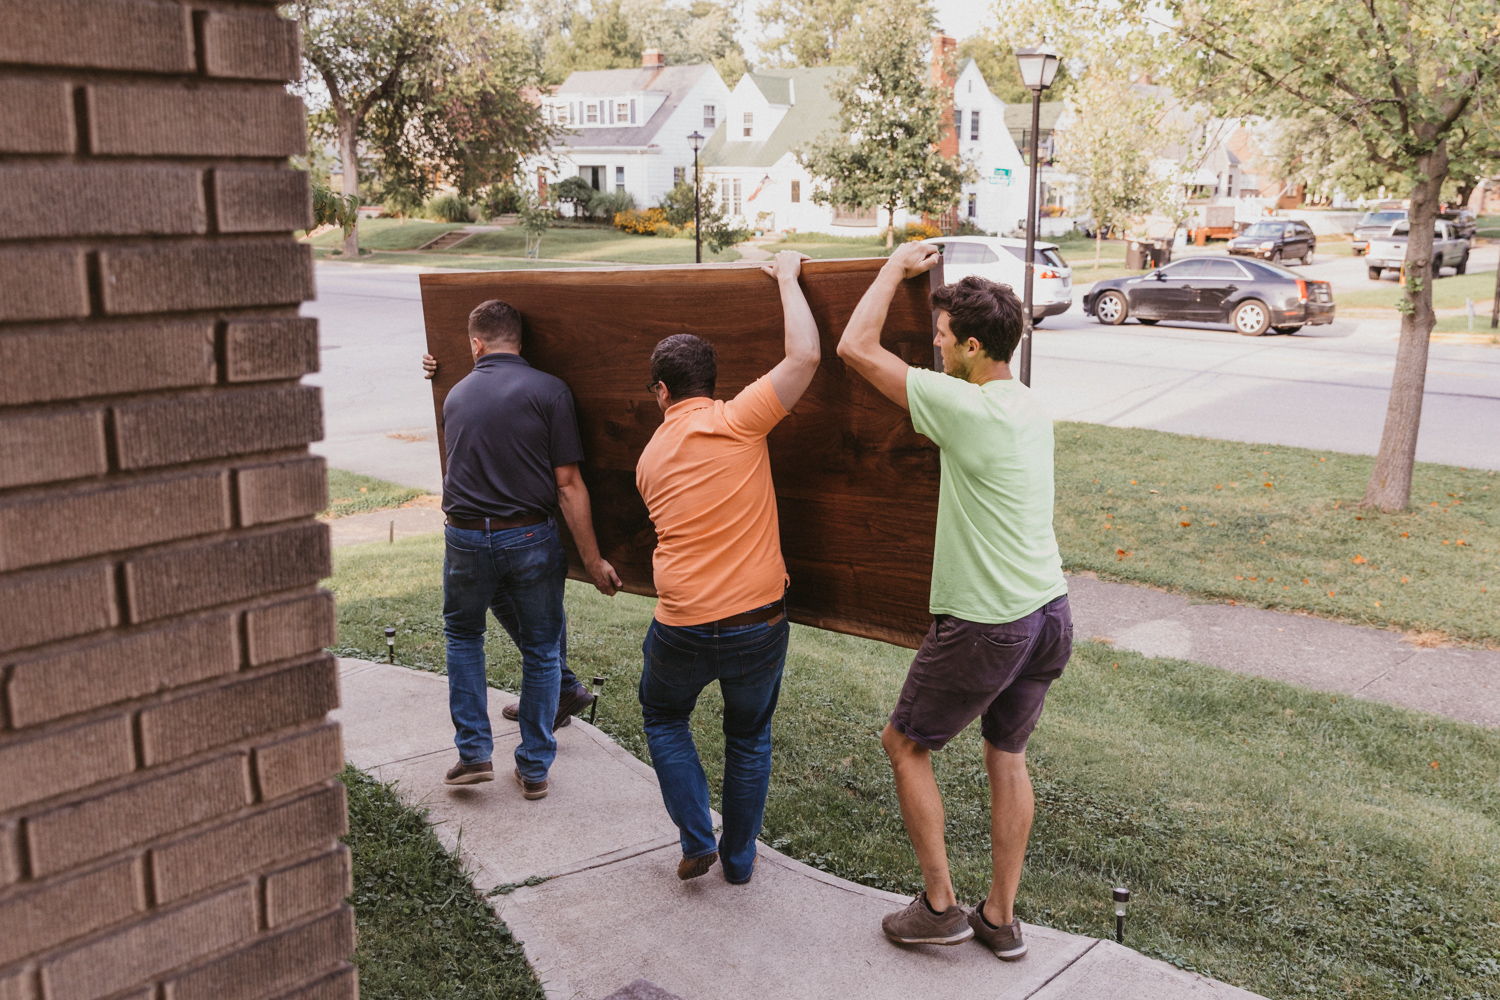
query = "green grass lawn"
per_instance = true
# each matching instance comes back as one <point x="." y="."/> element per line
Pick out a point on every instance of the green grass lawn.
<point x="352" y="493"/>
<point x="1288" y="841"/>
<point x="451" y="261"/>
<point x="1447" y="293"/>
<point x="1460" y="324"/>
<point x="1487" y="225"/>
<point x="422" y="931"/>
<point x="389" y="234"/>
<point x="578" y="243"/>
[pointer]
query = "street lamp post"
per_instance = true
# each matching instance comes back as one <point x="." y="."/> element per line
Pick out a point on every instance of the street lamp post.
<point x="696" y="141"/>
<point x="1038" y="69"/>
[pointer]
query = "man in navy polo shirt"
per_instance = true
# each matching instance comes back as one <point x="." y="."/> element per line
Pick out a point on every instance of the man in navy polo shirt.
<point x="513" y="452"/>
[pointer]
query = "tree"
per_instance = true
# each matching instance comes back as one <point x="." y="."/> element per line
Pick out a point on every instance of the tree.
<point x="613" y="34"/>
<point x="1110" y="149"/>
<point x="718" y="234"/>
<point x="809" y="32"/>
<point x="600" y="39"/>
<point x="884" y="152"/>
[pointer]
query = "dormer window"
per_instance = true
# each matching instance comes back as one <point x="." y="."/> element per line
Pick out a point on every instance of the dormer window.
<point x="710" y="119"/>
<point x="749" y="124"/>
<point x="591" y="115"/>
<point x="622" y="111"/>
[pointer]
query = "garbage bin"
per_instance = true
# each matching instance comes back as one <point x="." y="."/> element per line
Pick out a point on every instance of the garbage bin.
<point x="1161" y="253"/>
<point x="1137" y="256"/>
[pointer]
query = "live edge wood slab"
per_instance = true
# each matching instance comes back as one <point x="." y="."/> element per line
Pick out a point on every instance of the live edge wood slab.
<point x="856" y="487"/>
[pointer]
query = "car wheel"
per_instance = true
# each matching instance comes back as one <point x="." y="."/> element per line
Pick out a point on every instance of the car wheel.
<point x="1146" y="322"/>
<point x="1275" y="256"/>
<point x="1375" y="273"/>
<point x="1463" y="265"/>
<point x="1036" y="321"/>
<point x="1288" y="329"/>
<point x="1111" y="309"/>
<point x="1251" y="318"/>
<point x="1307" y="257"/>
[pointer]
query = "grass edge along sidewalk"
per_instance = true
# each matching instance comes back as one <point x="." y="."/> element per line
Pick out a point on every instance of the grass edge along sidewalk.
<point x="1276" y="838"/>
<point x="422" y="927"/>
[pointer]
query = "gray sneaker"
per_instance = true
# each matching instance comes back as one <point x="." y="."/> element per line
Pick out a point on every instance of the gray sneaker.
<point x="1005" y="941"/>
<point x="917" y="924"/>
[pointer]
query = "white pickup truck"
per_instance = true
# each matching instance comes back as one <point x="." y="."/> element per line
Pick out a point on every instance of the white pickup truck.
<point x="1389" y="251"/>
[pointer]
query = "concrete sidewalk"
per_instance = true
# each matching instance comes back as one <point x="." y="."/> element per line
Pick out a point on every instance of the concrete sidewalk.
<point x="609" y="917"/>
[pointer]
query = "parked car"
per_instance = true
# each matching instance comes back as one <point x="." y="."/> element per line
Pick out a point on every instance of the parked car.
<point x="1389" y="251"/>
<point x="1002" y="260"/>
<point x="1253" y="296"/>
<point x="1276" y="240"/>
<point x="1373" y="224"/>
<point x="1463" y="221"/>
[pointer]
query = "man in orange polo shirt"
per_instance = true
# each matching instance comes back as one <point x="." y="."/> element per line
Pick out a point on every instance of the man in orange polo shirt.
<point x="706" y="479"/>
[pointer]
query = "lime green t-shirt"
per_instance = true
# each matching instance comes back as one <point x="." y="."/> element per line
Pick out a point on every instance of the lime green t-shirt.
<point x="995" y="557"/>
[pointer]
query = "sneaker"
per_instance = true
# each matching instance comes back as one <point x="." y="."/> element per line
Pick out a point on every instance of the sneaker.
<point x="569" y="704"/>
<point x="917" y="924"/>
<point x="693" y="867"/>
<point x="531" y="789"/>
<point x="1005" y="941"/>
<point x="469" y="774"/>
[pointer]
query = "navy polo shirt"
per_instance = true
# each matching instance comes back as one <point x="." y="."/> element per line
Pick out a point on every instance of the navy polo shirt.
<point x="507" y="426"/>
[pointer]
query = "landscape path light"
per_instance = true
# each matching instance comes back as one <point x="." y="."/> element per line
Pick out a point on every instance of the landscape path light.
<point x="1038" y="65"/>
<point x="390" y="644"/>
<point x="598" y="687"/>
<point x="1122" y="901"/>
<point x="696" y="141"/>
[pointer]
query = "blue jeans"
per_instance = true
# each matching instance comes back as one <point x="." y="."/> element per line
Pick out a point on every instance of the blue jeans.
<point x="747" y="661"/>
<point x="518" y="574"/>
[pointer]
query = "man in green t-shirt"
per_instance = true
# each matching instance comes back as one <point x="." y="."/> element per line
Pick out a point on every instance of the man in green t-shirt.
<point x="1002" y="632"/>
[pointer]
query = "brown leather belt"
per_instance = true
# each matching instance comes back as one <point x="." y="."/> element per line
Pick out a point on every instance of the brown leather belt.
<point x="772" y="614"/>
<point x="497" y="523"/>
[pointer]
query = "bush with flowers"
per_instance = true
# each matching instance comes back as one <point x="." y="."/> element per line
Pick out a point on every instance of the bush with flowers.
<point x="650" y="222"/>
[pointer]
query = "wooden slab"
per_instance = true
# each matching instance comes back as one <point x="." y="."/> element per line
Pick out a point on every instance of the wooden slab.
<point x="856" y="487"/>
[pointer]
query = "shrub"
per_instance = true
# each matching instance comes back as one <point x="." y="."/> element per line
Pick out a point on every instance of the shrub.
<point x="967" y="228"/>
<point x="574" y="191"/>
<point x="608" y="204"/>
<point x="918" y="231"/>
<point x="648" y="223"/>
<point x="502" y="199"/>
<point x="449" y="208"/>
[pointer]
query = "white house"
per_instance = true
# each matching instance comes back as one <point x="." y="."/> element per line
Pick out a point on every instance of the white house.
<point x="996" y="200"/>
<point x="628" y="128"/>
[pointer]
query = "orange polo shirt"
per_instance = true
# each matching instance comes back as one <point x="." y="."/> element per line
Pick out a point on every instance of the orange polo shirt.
<point x="706" y="478"/>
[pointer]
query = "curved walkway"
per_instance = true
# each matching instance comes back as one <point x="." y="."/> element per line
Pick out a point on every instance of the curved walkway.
<point x="604" y="915"/>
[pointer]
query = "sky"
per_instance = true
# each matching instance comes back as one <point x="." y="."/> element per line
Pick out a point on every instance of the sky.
<point x="959" y="18"/>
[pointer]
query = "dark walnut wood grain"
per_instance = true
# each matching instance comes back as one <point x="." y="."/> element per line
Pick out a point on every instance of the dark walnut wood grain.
<point x="857" y="488"/>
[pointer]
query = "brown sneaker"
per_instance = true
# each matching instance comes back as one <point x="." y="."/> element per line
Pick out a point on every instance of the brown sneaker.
<point x="693" y="867"/>
<point x="1005" y="941"/>
<point x="531" y="789"/>
<point x="469" y="774"/>
<point x="917" y="924"/>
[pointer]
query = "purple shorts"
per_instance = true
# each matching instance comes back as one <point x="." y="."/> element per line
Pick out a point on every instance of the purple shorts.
<point x="966" y="670"/>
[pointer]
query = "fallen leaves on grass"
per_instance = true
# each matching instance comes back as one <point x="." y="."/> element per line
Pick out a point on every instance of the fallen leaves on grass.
<point x="1358" y="559"/>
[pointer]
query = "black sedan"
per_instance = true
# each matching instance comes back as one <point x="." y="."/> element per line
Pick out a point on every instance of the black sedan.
<point x="1253" y="296"/>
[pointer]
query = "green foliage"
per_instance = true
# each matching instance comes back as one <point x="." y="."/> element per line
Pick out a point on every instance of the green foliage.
<point x="352" y="493"/>
<point x="719" y="234"/>
<point x="996" y="59"/>
<point x="809" y="32"/>
<point x="422" y="928"/>
<point x="449" y="208"/>
<point x="333" y="209"/>
<point x="601" y="38"/>
<point x="502" y="199"/>
<point x="610" y="34"/>
<point x="574" y="191"/>
<point x="607" y="204"/>
<point x="884" y="151"/>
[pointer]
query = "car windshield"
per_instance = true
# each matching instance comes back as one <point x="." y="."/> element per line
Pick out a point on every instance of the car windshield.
<point x="1265" y="229"/>
<point x="1043" y="255"/>
<point x="1381" y="218"/>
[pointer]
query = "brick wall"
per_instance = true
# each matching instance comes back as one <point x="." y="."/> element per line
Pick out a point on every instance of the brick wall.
<point x="169" y="817"/>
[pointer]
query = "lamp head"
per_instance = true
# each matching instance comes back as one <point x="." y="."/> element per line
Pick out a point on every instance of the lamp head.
<point x="1038" y="64"/>
<point x="695" y="140"/>
<point x="1122" y="900"/>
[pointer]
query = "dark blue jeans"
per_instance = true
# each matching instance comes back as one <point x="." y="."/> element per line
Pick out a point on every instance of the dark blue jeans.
<point x="747" y="661"/>
<point x="519" y="574"/>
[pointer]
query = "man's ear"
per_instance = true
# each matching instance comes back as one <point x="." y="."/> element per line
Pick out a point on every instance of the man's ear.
<point x="974" y="346"/>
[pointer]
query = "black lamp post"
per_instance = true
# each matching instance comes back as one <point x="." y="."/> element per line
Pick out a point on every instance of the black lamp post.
<point x="696" y="141"/>
<point x="1038" y="69"/>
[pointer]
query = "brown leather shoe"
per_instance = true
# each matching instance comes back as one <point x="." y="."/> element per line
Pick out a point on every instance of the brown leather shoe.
<point x="469" y="774"/>
<point x="531" y="789"/>
<point x="693" y="867"/>
<point x="568" y="705"/>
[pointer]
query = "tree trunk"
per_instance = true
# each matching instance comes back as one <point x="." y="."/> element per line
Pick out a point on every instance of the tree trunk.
<point x="1390" y="483"/>
<point x="890" y="229"/>
<point x="348" y="145"/>
<point x="1098" y="243"/>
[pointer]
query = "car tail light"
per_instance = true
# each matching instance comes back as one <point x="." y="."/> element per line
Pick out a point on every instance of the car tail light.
<point x="1048" y="274"/>
<point x="1301" y="291"/>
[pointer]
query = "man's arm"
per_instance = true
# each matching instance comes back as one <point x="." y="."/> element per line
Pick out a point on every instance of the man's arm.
<point x="791" y="377"/>
<point x="573" y="498"/>
<point x="859" y="345"/>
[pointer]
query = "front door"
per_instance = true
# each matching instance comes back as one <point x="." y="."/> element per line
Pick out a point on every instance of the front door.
<point x="594" y="175"/>
<point x="1167" y="293"/>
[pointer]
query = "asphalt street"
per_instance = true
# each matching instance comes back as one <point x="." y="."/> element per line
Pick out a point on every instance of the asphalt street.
<point x="1325" y="387"/>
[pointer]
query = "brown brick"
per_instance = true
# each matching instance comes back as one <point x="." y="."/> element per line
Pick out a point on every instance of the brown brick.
<point x="62" y="910"/>
<point x="257" y="350"/>
<point x="212" y="274"/>
<point x="299" y="762"/>
<point x="46" y="447"/>
<point x="98" y="34"/>
<point x="342" y="985"/>
<point x="36" y="116"/>
<point x="18" y="983"/>
<point x="251" y="843"/>
<point x="36" y="768"/>
<point x="251" y="46"/>
<point x="151" y="947"/>
<point x="291" y="628"/>
<point x="10" y="852"/>
<point x="243" y="566"/>
<point x="280" y="492"/>
<point x="55" y="604"/>
<point x="262" y="121"/>
<point x="308" y="888"/>
<point x="70" y="835"/>
<point x="271" y="965"/>
<point x="56" y="527"/>
<point x="114" y="199"/>
<point x="126" y="666"/>
<point x="257" y="704"/>
<point x="134" y="357"/>
<point x="191" y="427"/>
<point x="262" y="201"/>
<point x="43" y="283"/>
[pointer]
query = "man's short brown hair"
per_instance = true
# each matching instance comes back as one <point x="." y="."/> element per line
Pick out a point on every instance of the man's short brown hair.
<point x="686" y="365"/>
<point x="984" y="310"/>
<point x="495" y="321"/>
